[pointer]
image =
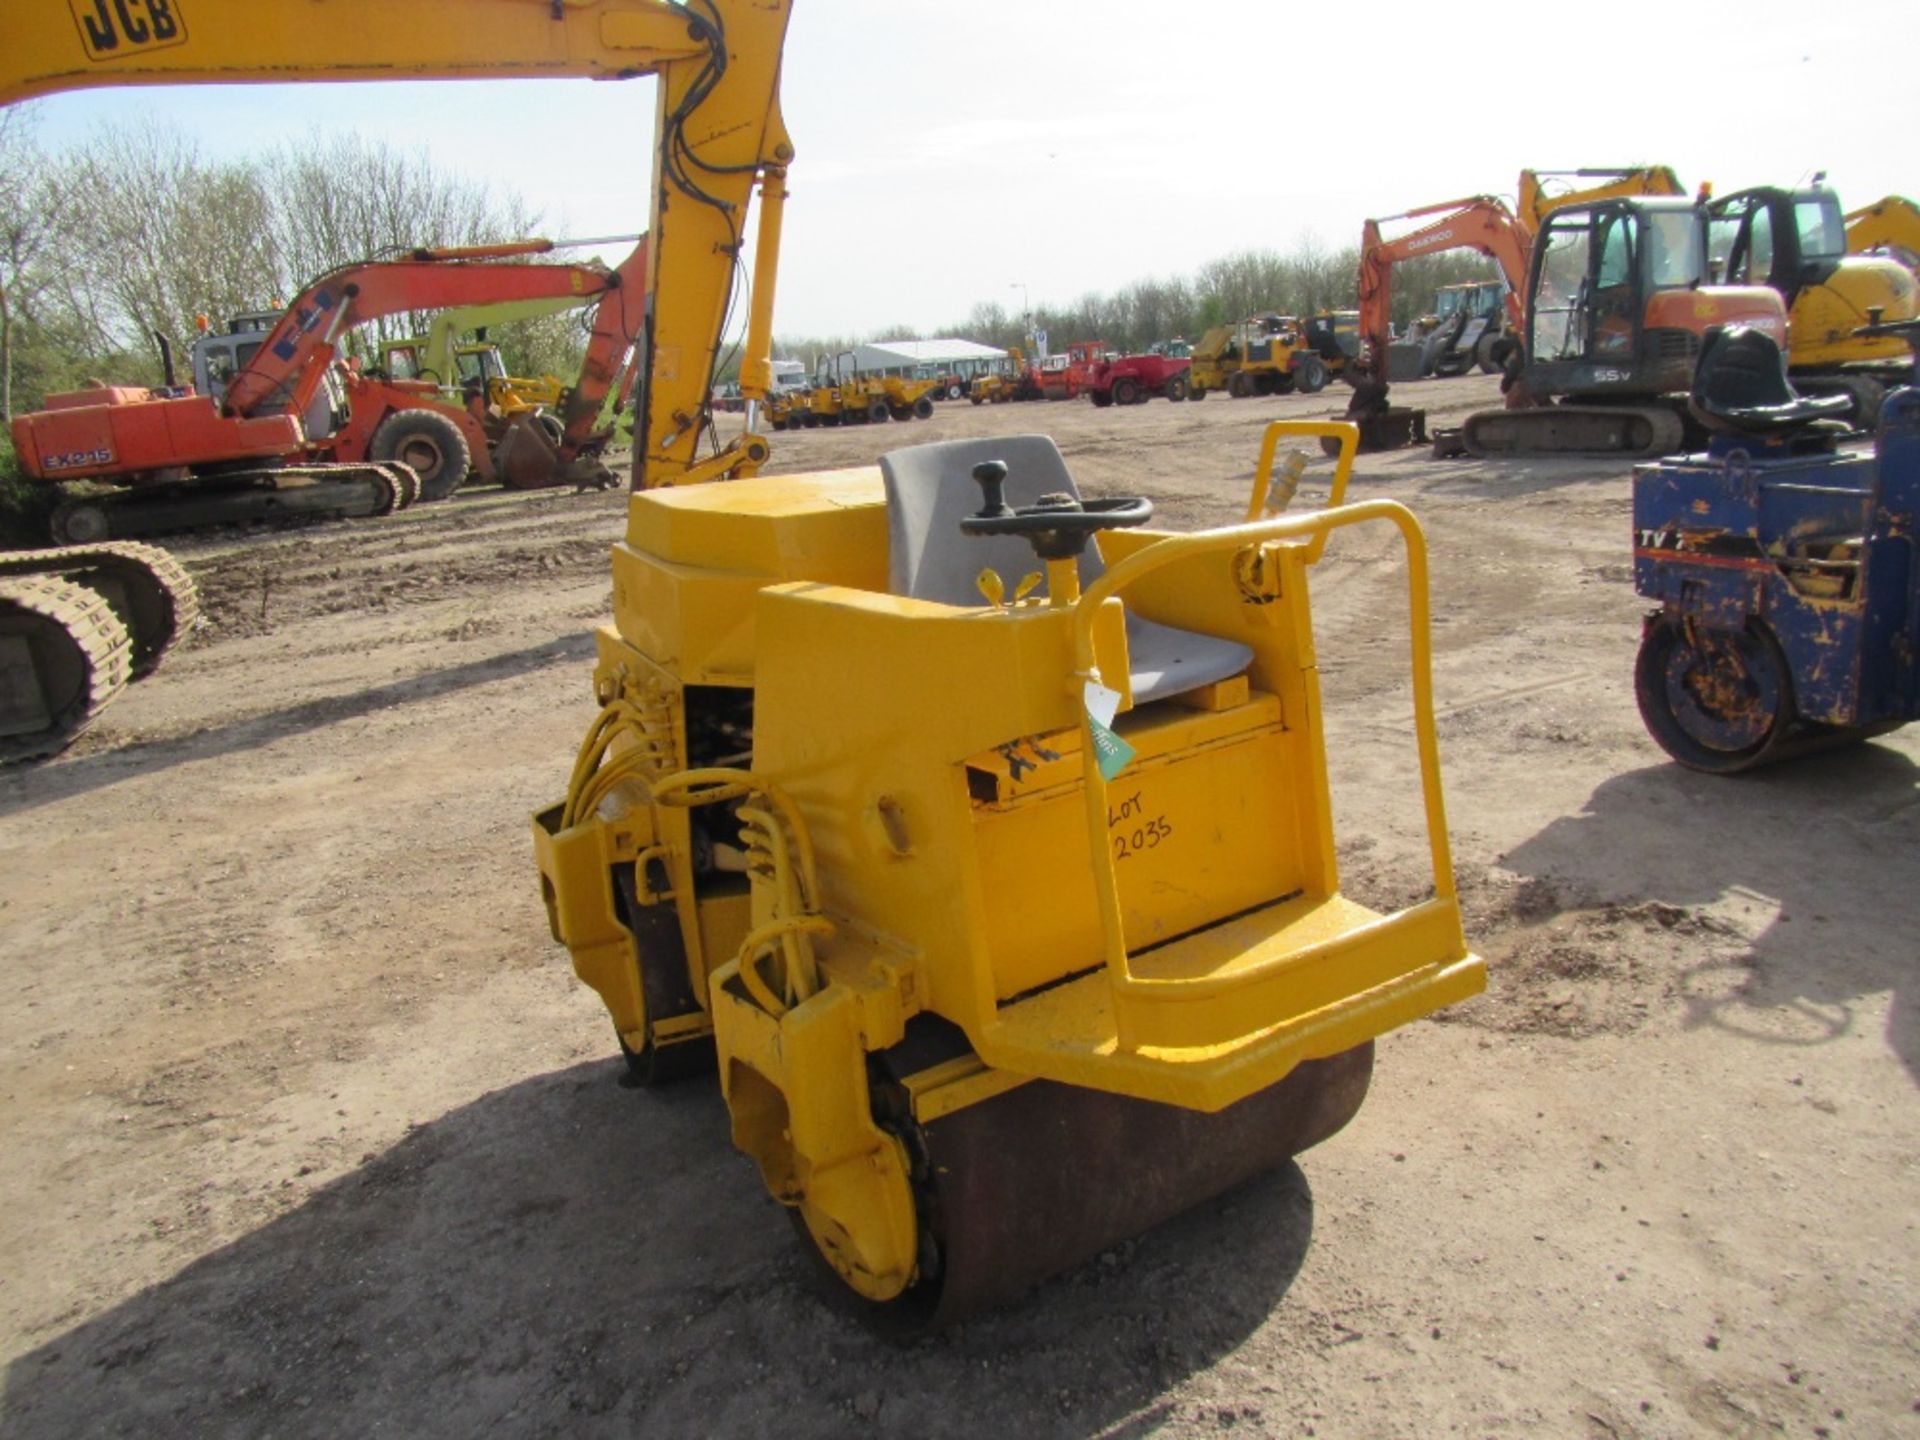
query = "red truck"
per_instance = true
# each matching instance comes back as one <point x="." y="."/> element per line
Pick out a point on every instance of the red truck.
<point x="1133" y="379"/>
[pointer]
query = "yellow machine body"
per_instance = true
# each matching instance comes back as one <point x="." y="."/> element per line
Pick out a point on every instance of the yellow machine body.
<point x="815" y="824"/>
<point x="927" y="838"/>
<point x="1823" y="317"/>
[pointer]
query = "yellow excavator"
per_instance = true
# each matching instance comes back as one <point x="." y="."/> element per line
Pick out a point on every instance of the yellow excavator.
<point x="1798" y="243"/>
<point x="977" y="835"/>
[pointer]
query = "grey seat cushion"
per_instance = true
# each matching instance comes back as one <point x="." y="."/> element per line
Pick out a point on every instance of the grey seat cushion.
<point x="930" y="489"/>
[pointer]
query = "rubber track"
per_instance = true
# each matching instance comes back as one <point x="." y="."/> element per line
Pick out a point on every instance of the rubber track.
<point x="105" y="649"/>
<point x="400" y="484"/>
<point x="180" y="596"/>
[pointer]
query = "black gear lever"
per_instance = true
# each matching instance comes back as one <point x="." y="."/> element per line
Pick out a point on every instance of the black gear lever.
<point x="1057" y="526"/>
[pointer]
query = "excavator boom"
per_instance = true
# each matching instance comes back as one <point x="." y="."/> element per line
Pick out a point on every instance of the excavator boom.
<point x="720" y="134"/>
<point x="1534" y="201"/>
<point x="1478" y="222"/>
<point x="292" y="361"/>
<point x="1891" y="224"/>
<point x="55" y="47"/>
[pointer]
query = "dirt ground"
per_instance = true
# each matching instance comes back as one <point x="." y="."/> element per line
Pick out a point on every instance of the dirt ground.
<point x="310" y="1131"/>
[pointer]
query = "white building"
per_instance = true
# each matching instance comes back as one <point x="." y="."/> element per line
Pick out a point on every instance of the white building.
<point x="925" y="359"/>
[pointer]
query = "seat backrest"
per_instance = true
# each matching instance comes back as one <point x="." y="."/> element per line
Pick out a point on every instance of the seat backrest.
<point x="1740" y="383"/>
<point x="930" y="489"/>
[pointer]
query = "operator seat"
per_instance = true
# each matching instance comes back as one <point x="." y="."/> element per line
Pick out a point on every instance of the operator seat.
<point x="930" y="489"/>
<point x="1740" y="385"/>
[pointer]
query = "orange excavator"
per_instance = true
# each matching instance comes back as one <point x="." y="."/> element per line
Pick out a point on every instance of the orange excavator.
<point x="1617" y="297"/>
<point x="1478" y="222"/>
<point x="288" y="431"/>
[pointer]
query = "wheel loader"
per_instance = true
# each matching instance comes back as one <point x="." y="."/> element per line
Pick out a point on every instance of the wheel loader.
<point x="977" y="837"/>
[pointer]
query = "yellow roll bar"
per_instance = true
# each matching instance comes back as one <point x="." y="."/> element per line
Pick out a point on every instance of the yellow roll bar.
<point x="1319" y="526"/>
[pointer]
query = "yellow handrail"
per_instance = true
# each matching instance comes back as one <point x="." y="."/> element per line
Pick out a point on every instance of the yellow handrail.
<point x="1175" y="548"/>
<point x="1345" y="431"/>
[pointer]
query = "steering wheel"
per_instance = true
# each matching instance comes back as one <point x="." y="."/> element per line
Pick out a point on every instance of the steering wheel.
<point x="1057" y="526"/>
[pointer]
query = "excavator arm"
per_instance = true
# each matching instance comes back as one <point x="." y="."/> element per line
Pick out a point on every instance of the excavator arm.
<point x="719" y="136"/>
<point x="1534" y="201"/>
<point x="1479" y="222"/>
<point x="1890" y="224"/>
<point x="288" y="367"/>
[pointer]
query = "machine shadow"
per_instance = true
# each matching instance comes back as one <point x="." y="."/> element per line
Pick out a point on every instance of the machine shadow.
<point x="24" y="790"/>
<point x="1829" y="838"/>
<point x="566" y="1255"/>
<point x="1509" y="479"/>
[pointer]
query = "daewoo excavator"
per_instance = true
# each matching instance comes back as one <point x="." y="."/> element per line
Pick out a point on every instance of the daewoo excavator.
<point x="254" y="449"/>
<point x="1477" y="222"/>
<point x="977" y="835"/>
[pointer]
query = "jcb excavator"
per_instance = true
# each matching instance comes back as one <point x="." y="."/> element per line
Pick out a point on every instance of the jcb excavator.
<point x="253" y="449"/>
<point x="977" y="836"/>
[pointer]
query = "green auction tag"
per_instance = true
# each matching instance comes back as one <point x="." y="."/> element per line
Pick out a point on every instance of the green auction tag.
<point x="1111" y="753"/>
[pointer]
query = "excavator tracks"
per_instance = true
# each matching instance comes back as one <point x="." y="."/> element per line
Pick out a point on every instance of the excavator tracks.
<point x="64" y="656"/>
<point x="1635" y="431"/>
<point x="149" y="591"/>
<point x="286" y="494"/>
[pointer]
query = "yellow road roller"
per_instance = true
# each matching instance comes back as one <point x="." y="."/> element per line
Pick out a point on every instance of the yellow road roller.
<point x="980" y="837"/>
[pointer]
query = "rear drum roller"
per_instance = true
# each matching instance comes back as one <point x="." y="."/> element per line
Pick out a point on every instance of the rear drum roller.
<point x="666" y="987"/>
<point x="429" y="442"/>
<point x="1012" y="1190"/>
<point x="1720" y="701"/>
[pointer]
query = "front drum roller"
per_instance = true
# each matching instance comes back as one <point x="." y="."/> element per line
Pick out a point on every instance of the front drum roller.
<point x="1716" y="700"/>
<point x="1015" y="1189"/>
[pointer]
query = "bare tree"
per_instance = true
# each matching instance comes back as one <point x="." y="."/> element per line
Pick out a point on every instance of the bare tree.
<point x="346" y="199"/>
<point x="29" y="218"/>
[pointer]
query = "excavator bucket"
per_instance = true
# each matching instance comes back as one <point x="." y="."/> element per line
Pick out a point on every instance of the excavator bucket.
<point x="993" y="981"/>
<point x="527" y="459"/>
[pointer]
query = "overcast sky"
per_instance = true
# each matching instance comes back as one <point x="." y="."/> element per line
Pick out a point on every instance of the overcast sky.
<point x="952" y="152"/>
